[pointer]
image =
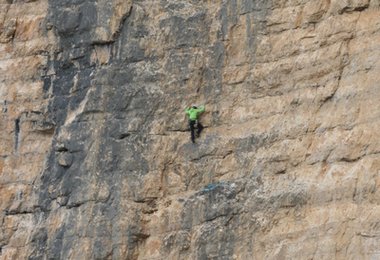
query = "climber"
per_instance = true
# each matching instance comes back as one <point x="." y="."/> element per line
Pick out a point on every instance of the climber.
<point x="193" y="112"/>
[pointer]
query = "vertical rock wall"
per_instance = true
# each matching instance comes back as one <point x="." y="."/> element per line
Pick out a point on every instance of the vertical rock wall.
<point x="26" y="129"/>
<point x="95" y="157"/>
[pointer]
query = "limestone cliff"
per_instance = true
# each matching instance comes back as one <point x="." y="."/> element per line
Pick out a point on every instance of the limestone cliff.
<point x="96" y="160"/>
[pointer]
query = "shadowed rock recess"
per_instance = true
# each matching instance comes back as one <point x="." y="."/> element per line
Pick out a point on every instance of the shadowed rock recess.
<point x="96" y="161"/>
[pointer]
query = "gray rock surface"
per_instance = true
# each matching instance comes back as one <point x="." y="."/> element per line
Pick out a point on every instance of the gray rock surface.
<point x="103" y="167"/>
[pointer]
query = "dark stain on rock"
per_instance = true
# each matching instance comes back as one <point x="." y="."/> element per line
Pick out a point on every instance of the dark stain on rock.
<point x="17" y="133"/>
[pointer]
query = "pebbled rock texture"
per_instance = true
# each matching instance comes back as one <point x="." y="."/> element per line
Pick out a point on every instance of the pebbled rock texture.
<point x="96" y="160"/>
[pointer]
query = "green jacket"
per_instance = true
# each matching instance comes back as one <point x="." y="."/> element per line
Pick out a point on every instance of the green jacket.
<point x="193" y="113"/>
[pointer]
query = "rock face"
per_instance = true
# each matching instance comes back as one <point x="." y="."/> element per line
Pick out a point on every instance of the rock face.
<point x="96" y="161"/>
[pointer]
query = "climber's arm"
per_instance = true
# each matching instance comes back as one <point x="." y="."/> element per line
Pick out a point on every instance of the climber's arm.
<point x="187" y="110"/>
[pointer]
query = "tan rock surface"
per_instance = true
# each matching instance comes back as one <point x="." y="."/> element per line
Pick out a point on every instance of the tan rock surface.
<point x="96" y="162"/>
<point x="25" y="137"/>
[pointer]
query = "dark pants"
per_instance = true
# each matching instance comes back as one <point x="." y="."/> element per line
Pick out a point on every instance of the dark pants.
<point x="199" y="127"/>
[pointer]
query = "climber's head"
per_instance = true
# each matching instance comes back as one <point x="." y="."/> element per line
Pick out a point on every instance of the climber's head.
<point x="194" y="106"/>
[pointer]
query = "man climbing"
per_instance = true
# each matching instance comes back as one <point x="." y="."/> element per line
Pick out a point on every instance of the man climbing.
<point x="193" y="112"/>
